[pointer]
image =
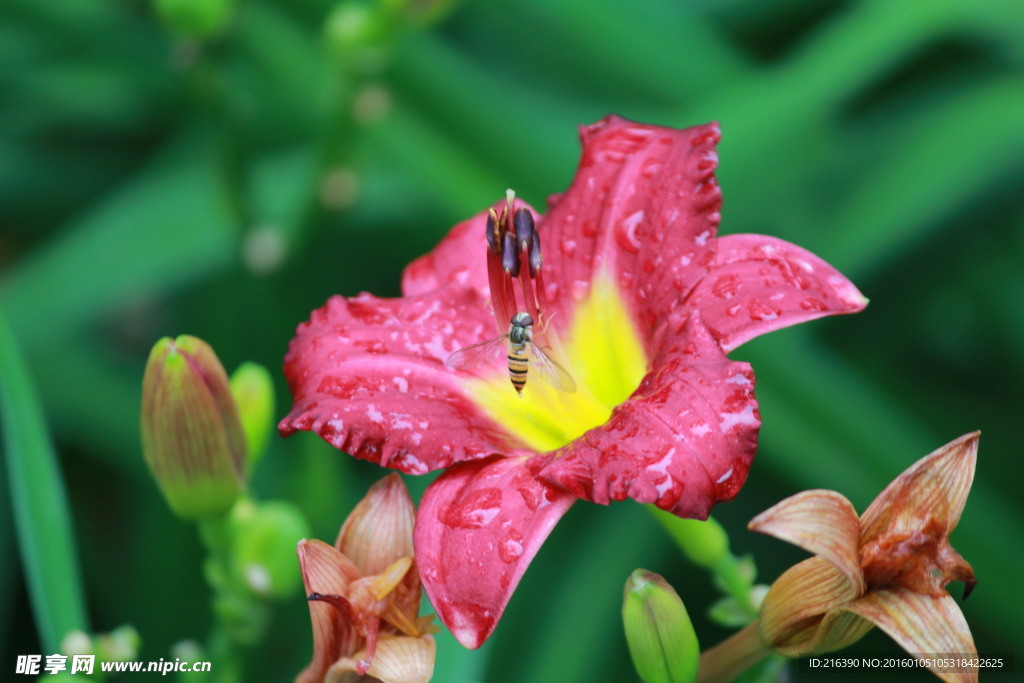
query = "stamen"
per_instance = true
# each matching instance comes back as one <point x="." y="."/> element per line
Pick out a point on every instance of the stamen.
<point x="512" y="239"/>
<point x="510" y="255"/>
<point x="535" y="256"/>
<point x="493" y="243"/>
<point x="524" y="228"/>
<point x="336" y="601"/>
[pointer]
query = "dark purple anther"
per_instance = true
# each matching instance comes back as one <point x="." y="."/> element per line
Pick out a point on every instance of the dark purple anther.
<point x="535" y="258"/>
<point x="492" y="233"/>
<point x="524" y="228"/>
<point x="510" y="255"/>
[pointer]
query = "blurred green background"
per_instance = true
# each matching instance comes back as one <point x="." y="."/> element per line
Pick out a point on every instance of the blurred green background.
<point x="153" y="183"/>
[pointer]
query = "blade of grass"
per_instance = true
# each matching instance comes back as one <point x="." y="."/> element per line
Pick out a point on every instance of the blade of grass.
<point x="41" y="512"/>
<point x="469" y="105"/>
<point x="461" y="184"/>
<point x="165" y="228"/>
<point x="648" y="45"/>
<point x="10" y="578"/>
<point x="943" y="160"/>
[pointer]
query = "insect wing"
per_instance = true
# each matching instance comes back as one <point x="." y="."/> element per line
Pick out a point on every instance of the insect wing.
<point x="553" y="373"/>
<point x="478" y="355"/>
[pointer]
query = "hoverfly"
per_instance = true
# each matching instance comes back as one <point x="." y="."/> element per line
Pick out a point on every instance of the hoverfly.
<point x="521" y="350"/>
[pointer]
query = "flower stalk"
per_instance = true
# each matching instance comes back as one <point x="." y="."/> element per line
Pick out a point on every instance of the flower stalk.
<point x="706" y="544"/>
<point x="734" y="655"/>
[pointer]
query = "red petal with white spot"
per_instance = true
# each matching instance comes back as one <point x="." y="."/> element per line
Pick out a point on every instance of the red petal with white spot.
<point x="478" y="527"/>
<point x="644" y="206"/>
<point x="758" y="284"/>
<point x="684" y="440"/>
<point x="369" y="376"/>
<point x="459" y="259"/>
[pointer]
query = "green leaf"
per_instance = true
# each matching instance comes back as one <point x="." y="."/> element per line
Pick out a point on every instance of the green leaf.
<point x="173" y="222"/>
<point x="936" y="164"/>
<point x="41" y="512"/>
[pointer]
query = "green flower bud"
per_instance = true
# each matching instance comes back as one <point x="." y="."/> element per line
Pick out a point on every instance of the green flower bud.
<point x="192" y="437"/>
<point x="253" y="389"/>
<point x="263" y="559"/>
<point x="195" y="18"/>
<point x="661" y="639"/>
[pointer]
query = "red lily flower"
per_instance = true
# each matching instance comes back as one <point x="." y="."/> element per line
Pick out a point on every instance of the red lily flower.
<point x="635" y="296"/>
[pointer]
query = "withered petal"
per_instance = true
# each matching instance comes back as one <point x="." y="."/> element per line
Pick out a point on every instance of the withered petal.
<point x="398" y="659"/>
<point x="923" y="625"/>
<point x="379" y="530"/>
<point x="821" y="522"/>
<point x="933" y="488"/>
<point x="328" y="572"/>
<point x="796" y="604"/>
<point x="325" y="569"/>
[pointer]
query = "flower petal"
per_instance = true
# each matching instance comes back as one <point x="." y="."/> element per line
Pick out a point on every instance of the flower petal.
<point x="379" y="530"/>
<point x="458" y="259"/>
<point x="369" y="376"/>
<point x="328" y="572"/>
<point x="796" y="604"/>
<point x="821" y="522"/>
<point x="644" y="206"/>
<point x="397" y="660"/>
<point x="684" y="440"/>
<point x="758" y="284"/>
<point x="479" y="526"/>
<point x="935" y="487"/>
<point x="923" y="625"/>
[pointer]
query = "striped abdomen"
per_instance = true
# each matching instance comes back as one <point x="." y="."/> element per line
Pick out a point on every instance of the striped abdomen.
<point x="518" y="366"/>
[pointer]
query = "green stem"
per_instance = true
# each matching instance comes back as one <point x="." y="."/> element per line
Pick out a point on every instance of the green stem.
<point x="733" y="656"/>
<point x="707" y="544"/>
<point x="729" y="571"/>
<point x="216" y="536"/>
<point x="39" y="502"/>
